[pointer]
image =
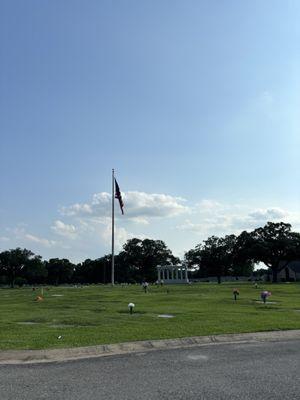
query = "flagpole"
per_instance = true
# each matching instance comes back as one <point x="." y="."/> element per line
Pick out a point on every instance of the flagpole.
<point x="113" y="229"/>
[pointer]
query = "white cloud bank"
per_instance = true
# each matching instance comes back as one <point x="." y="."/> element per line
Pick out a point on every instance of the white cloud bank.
<point x="19" y="236"/>
<point x="40" y="240"/>
<point x="84" y="229"/>
<point x="213" y="218"/>
<point x="138" y="206"/>
<point x="269" y="214"/>
<point x="65" y="230"/>
<point x="89" y="223"/>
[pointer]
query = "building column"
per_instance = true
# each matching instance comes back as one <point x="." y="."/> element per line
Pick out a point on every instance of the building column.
<point x="181" y="276"/>
<point x="176" y="272"/>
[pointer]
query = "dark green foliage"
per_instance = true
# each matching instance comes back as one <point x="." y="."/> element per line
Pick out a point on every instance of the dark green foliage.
<point x="35" y="270"/>
<point x="136" y="262"/>
<point x="141" y="257"/>
<point x="219" y="257"/>
<point x="13" y="262"/>
<point x="59" y="271"/>
<point x="93" y="271"/>
<point x="274" y="245"/>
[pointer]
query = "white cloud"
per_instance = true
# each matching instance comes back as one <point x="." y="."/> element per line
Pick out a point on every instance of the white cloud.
<point x="89" y="223"/>
<point x="121" y="236"/>
<point x="138" y="206"/>
<point x="86" y="228"/>
<point x="208" y="204"/>
<point x="269" y="214"/>
<point x="63" y="229"/>
<point x="214" y="218"/>
<point x="98" y="231"/>
<point x="140" y="220"/>
<point x="39" y="240"/>
<point x="190" y="226"/>
<point x="19" y="237"/>
<point x="76" y="209"/>
<point x="208" y="217"/>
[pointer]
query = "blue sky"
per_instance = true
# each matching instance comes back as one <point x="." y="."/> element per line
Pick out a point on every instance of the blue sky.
<point x="194" y="103"/>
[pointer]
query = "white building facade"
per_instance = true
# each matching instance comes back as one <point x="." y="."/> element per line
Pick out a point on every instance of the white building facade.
<point x="172" y="274"/>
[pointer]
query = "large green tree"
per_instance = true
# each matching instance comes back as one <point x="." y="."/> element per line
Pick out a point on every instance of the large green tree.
<point x="60" y="271"/>
<point x="209" y="257"/>
<point x="13" y="262"/>
<point x="142" y="256"/>
<point x="239" y="262"/>
<point x="275" y="245"/>
<point x="214" y="257"/>
<point x="219" y="256"/>
<point x="93" y="271"/>
<point x="192" y="258"/>
<point x="35" y="270"/>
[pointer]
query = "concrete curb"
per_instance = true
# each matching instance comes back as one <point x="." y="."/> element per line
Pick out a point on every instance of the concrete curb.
<point x="58" y="355"/>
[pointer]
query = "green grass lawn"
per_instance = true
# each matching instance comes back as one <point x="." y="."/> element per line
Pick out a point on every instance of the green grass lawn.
<point x="98" y="314"/>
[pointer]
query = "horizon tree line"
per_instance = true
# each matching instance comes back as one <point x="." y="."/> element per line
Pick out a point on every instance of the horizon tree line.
<point x="275" y="245"/>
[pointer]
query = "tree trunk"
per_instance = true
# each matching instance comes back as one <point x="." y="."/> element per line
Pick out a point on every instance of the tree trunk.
<point x="12" y="280"/>
<point x="104" y="274"/>
<point x="274" y="273"/>
<point x="219" y="279"/>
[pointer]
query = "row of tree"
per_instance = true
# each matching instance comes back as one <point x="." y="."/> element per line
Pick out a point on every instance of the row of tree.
<point x="275" y="245"/>
<point x="136" y="262"/>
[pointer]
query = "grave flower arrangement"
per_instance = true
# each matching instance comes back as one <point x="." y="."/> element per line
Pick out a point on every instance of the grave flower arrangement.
<point x="131" y="307"/>
<point x="264" y="295"/>
<point x="235" y="292"/>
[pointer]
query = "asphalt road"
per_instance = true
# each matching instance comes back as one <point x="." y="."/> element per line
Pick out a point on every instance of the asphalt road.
<point x="262" y="370"/>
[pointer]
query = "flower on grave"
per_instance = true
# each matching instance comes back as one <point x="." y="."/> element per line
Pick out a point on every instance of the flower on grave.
<point x="264" y="295"/>
<point x="235" y="293"/>
<point x="131" y="307"/>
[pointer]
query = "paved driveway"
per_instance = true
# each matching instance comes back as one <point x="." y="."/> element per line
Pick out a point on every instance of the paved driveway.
<point x="262" y="370"/>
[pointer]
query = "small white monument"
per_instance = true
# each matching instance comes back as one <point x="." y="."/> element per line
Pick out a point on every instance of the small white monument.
<point x="172" y="274"/>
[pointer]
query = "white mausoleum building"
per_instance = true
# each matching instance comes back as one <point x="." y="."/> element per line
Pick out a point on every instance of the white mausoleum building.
<point x="172" y="274"/>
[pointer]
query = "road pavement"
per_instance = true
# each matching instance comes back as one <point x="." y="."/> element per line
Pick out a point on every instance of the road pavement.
<point x="259" y="370"/>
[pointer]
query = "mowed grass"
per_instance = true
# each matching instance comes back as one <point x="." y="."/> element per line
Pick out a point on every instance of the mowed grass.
<point x="98" y="314"/>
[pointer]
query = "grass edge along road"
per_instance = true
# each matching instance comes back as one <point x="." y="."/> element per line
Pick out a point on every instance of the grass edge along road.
<point x="98" y="314"/>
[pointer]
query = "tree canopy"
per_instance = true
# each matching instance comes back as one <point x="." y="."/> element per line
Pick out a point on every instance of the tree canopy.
<point x="219" y="256"/>
<point x="275" y="245"/>
<point x="13" y="262"/>
<point x="142" y="256"/>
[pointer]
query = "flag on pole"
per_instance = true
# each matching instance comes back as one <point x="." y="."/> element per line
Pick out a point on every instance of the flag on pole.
<point x="119" y="196"/>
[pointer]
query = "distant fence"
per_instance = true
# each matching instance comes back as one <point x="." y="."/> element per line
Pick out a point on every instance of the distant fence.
<point x="224" y="279"/>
